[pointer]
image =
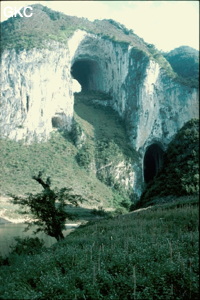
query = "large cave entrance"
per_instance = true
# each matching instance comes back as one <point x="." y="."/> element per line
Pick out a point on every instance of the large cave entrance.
<point x="88" y="73"/>
<point x="153" y="160"/>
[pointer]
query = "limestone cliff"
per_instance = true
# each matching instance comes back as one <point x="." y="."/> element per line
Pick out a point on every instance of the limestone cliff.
<point x="37" y="89"/>
<point x="35" y="92"/>
<point x="38" y="85"/>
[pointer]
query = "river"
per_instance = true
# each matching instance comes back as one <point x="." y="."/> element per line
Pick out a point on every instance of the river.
<point x="9" y="231"/>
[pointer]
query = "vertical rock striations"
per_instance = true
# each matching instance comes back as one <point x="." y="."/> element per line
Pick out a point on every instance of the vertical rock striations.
<point x="37" y="91"/>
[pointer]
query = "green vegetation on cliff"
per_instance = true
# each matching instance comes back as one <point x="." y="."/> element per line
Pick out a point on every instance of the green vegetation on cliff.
<point x="47" y="25"/>
<point x="180" y="172"/>
<point x="185" y="62"/>
<point x="88" y="166"/>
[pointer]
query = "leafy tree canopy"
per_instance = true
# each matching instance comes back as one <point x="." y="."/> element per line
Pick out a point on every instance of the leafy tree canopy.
<point x="48" y="207"/>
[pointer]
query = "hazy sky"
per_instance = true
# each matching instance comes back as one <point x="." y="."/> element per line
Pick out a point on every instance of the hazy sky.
<point x="167" y="24"/>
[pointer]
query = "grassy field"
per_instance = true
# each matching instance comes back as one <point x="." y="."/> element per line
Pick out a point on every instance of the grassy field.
<point x="57" y="158"/>
<point x="150" y="254"/>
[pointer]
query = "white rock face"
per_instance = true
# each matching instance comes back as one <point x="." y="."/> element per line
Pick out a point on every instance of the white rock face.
<point x="109" y="64"/>
<point x="153" y="105"/>
<point x="35" y="92"/>
<point x="163" y="107"/>
<point x="75" y="41"/>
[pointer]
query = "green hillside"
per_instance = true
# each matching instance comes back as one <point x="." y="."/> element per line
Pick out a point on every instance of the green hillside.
<point x="47" y="25"/>
<point x="70" y="165"/>
<point x="179" y="175"/>
<point x="27" y="33"/>
<point x="185" y="62"/>
<point x="151" y="254"/>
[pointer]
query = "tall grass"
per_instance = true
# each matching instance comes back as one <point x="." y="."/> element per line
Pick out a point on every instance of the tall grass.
<point x="151" y="254"/>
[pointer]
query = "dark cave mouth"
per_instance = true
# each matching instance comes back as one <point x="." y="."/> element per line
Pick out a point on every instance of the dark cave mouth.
<point x="87" y="72"/>
<point x="153" y="161"/>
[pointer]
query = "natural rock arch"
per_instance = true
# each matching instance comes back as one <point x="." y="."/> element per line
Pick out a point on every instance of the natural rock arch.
<point x="88" y="73"/>
<point x="153" y="160"/>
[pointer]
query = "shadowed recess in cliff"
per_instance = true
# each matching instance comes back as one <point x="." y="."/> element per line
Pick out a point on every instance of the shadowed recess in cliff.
<point x="153" y="160"/>
<point x="88" y="73"/>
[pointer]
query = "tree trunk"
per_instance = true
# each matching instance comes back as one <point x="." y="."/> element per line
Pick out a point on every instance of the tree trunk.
<point x="59" y="236"/>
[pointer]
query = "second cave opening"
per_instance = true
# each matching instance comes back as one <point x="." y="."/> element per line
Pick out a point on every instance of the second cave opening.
<point x="153" y="161"/>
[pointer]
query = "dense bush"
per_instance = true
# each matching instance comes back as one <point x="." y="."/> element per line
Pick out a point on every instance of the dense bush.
<point x="76" y="134"/>
<point x="84" y="156"/>
<point x="27" y="245"/>
<point x="108" y="152"/>
<point x="180" y="173"/>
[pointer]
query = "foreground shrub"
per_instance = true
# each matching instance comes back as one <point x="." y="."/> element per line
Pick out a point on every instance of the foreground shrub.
<point x="27" y="245"/>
